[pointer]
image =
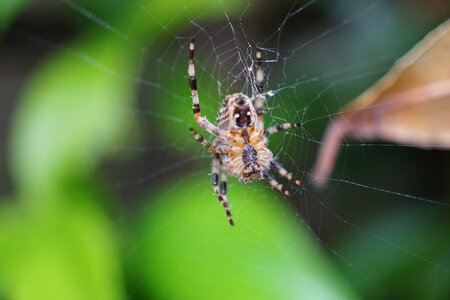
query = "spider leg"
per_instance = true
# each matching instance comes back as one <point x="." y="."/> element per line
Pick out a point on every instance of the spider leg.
<point x="260" y="98"/>
<point x="223" y="192"/>
<point x="281" y="127"/>
<point x="223" y="182"/>
<point x="199" y="138"/>
<point x="201" y="121"/>
<point x="284" y="173"/>
<point x="220" y="193"/>
<point x="275" y="184"/>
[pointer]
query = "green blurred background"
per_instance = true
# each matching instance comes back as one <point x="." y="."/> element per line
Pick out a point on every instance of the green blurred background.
<point x="105" y="195"/>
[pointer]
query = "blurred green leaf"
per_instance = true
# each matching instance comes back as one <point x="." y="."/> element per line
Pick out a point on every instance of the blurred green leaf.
<point x="70" y="114"/>
<point x="67" y="253"/>
<point x="186" y="240"/>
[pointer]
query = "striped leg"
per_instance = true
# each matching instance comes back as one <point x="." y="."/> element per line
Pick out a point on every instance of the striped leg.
<point x="284" y="173"/>
<point x="260" y="98"/>
<point x="221" y="194"/>
<point x="202" y="121"/>
<point x="280" y="127"/>
<point x="223" y="183"/>
<point x="275" y="184"/>
<point x="201" y="140"/>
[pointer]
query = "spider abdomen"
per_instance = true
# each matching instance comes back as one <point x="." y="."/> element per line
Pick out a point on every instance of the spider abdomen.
<point x="248" y="156"/>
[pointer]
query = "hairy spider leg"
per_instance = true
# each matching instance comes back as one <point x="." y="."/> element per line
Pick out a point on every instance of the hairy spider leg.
<point x="260" y="98"/>
<point x="275" y="184"/>
<point x="201" y="121"/>
<point x="281" y="127"/>
<point x="199" y="138"/>
<point x="284" y="173"/>
<point x="220" y="193"/>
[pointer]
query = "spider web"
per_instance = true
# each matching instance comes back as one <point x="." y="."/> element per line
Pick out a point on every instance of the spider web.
<point x="317" y="57"/>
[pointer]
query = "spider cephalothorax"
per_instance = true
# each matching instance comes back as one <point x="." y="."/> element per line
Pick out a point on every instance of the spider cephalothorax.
<point x="237" y="112"/>
<point x="240" y="148"/>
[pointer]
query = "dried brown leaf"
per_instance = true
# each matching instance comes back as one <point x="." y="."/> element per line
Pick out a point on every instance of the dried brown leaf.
<point x="409" y="105"/>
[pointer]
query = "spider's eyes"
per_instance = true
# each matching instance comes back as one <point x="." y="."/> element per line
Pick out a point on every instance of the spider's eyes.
<point x="243" y="118"/>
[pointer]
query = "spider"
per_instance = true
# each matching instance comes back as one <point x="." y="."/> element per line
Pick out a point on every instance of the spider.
<point x="240" y="147"/>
